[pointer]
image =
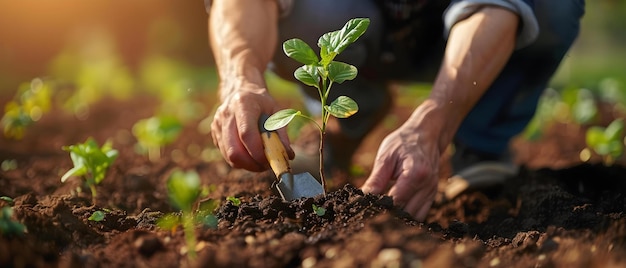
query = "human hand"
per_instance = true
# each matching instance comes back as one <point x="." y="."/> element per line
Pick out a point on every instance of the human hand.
<point x="235" y="128"/>
<point x="407" y="164"/>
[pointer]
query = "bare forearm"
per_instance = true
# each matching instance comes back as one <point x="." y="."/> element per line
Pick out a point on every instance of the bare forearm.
<point x="477" y="50"/>
<point x="243" y="37"/>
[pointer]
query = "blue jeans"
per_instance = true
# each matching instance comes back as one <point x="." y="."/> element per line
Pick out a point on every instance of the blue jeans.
<point x="502" y="112"/>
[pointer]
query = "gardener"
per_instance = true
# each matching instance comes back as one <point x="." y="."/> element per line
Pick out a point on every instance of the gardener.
<point x="489" y="61"/>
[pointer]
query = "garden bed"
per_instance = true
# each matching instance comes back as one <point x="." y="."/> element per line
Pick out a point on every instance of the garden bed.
<point x="556" y="213"/>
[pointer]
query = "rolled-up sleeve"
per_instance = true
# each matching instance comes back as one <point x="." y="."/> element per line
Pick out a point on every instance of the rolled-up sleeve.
<point x="284" y="6"/>
<point x="529" y="28"/>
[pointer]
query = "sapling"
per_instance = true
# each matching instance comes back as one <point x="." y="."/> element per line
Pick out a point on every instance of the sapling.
<point x="91" y="162"/>
<point x="607" y="142"/>
<point x="322" y="72"/>
<point x="155" y="132"/>
<point x="184" y="190"/>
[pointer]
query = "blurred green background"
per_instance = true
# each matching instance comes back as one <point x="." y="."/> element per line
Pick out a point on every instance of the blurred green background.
<point x="117" y="41"/>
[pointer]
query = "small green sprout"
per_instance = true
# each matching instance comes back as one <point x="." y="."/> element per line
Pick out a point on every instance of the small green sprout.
<point x="322" y="72"/>
<point x="236" y="201"/>
<point x="183" y="191"/>
<point x="8" y="226"/>
<point x="91" y="162"/>
<point x="607" y="142"/>
<point x="31" y="101"/>
<point x="97" y="216"/>
<point x="155" y="132"/>
<point x="320" y="211"/>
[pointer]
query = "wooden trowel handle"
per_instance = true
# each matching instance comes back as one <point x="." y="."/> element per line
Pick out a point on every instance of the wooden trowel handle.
<point x="275" y="152"/>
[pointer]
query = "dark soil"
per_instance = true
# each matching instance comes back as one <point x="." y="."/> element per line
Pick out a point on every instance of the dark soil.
<point x="557" y="212"/>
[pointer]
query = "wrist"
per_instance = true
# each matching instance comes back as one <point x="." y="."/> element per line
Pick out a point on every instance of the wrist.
<point x="247" y="79"/>
<point x="435" y="121"/>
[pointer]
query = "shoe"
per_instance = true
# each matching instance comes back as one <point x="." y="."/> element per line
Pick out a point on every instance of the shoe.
<point x="474" y="170"/>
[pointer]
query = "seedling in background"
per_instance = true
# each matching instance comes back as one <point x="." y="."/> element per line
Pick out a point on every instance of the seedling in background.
<point x="322" y="72"/>
<point x="91" y="162"/>
<point x="607" y="142"/>
<point x="156" y="132"/>
<point x="184" y="190"/>
<point x="31" y="101"/>
<point x="8" y="226"/>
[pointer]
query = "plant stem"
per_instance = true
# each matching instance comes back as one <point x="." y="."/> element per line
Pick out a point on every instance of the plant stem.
<point x="92" y="187"/>
<point x="190" y="234"/>
<point x="322" y="178"/>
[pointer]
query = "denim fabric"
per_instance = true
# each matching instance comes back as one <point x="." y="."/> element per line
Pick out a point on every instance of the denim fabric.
<point x="511" y="101"/>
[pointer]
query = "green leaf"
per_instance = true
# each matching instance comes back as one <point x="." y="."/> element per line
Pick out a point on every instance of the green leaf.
<point x="616" y="148"/>
<point x="157" y="131"/>
<point x="585" y="109"/>
<point x="300" y="51"/>
<point x="339" y="72"/>
<point x="343" y="107"/>
<point x="97" y="216"/>
<point x="90" y="160"/>
<point x="7" y="225"/>
<point x="236" y="201"/>
<point x="6" y="199"/>
<point x="595" y="136"/>
<point x="309" y="75"/>
<point x="169" y="221"/>
<point x="183" y="189"/>
<point x="333" y="43"/>
<point x="615" y="130"/>
<point x="280" y="119"/>
<point x="320" y="211"/>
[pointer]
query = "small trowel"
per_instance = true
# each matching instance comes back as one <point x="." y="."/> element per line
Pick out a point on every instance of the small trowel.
<point x="290" y="186"/>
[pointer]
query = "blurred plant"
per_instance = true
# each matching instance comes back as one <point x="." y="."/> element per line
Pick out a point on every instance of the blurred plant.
<point x="91" y="162"/>
<point x="8" y="226"/>
<point x="8" y="165"/>
<point x="572" y="105"/>
<point x="92" y="66"/>
<point x="174" y="83"/>
<point x="322" y="74"/>
<point x="97" y="216"/>
<point x="184" y="191"/>
<point x="608" y="142"/>
<point x="154" y="133"/>
<point x="31" y="101"/>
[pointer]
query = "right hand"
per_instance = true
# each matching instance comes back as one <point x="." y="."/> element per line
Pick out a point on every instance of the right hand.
<point x="235" y="128"/>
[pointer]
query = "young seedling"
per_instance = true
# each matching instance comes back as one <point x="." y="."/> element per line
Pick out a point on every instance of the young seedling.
<point x="97" y="216"/>
<point x="236" y="201"/>
<point x="184" y="190"/>
<point x="322" y="72"/>
<point x="154" y="133"/>
<point x="31" y="101"/>
<point x="91" y="162"/>
<point x="607" y="142"/>
<point x="319" y="211"/>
